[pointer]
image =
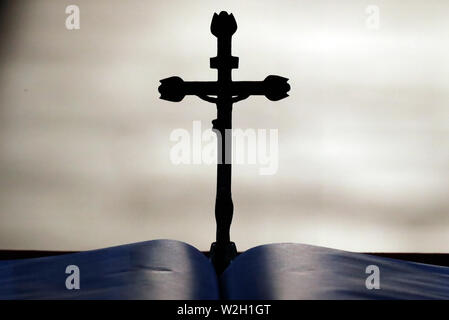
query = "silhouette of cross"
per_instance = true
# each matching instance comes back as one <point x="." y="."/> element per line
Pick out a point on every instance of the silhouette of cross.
<point x="223" y="92"/>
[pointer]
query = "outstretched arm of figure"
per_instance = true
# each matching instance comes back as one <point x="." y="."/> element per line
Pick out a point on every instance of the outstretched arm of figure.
<point x="239" y="98"/>
<point x="214" y="100"/>
<point x="207" y="98"/>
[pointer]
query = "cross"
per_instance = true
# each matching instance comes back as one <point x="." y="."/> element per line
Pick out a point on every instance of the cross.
<point x="224" y="93"/>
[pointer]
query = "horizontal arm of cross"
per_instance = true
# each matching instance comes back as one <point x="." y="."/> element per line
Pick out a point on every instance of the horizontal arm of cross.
<point x="211" y="88"/>
<point x="175" y="89"/>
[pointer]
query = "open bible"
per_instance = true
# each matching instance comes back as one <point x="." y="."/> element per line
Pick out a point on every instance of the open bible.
<point x="169" y="269"/>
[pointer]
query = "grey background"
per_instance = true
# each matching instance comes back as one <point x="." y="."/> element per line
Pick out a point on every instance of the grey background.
<point x="363" y="137"/>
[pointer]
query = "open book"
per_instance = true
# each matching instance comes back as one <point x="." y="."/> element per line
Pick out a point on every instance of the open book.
<point x="168" y="269"/>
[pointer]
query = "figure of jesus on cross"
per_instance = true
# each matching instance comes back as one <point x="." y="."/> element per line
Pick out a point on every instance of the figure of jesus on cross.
<point x="223" y="92"/>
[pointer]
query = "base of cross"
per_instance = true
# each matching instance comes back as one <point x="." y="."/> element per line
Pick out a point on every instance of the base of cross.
<point x="221" y="255"/>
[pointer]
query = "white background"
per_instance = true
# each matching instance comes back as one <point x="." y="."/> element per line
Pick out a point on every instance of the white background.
<point x="363" y="137"/>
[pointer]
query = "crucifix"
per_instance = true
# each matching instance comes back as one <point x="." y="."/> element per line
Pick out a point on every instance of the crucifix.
<point x="224" y="93"/>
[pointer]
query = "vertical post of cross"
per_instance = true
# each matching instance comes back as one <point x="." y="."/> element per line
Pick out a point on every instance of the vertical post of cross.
<point x="223" y="27"/>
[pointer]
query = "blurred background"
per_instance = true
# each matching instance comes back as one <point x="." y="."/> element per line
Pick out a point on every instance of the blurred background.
<point x="363" y="137"/>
